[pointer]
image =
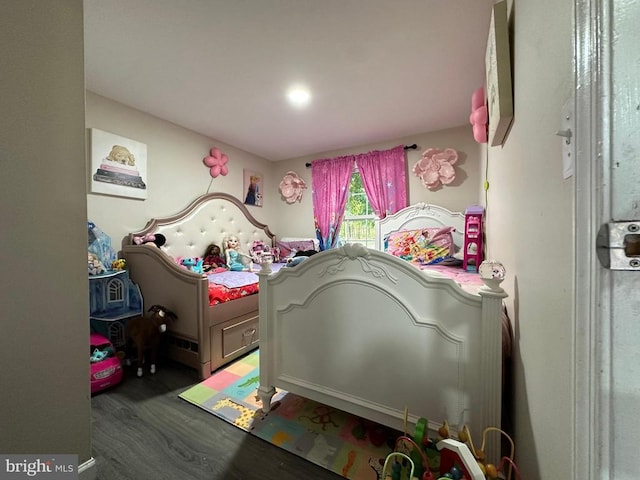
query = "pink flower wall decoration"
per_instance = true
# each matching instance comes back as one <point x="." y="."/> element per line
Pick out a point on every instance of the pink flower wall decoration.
<point x="217" y="162"/>
<point x="291" y="187"/>
<point x="435" y="168"/>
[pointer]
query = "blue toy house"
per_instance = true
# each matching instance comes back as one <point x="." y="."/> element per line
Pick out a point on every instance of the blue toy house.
<point x="113" y="298"/>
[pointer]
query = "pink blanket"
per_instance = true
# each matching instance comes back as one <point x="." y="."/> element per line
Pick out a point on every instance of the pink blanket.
<point x="469" y="281"/>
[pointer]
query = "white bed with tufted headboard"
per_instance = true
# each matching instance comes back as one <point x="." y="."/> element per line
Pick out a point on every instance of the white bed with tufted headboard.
<point x="205" y="336"/>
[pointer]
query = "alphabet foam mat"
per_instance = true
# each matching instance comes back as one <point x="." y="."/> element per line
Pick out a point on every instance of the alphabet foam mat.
<point x="343" y="443"/>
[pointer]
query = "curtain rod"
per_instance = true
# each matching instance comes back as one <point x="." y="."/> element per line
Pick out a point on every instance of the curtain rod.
<point x="406" y="147"/>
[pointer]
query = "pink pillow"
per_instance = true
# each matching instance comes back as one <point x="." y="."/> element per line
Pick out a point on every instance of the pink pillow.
<point x="424" y="246"/>
<point x="289" y="248"/>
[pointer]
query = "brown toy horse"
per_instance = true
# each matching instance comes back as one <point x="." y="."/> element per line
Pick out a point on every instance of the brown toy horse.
<point x="145" y="333"/>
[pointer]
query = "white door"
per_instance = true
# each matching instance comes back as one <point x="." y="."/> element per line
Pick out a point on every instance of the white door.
<point x="607" y="314"/>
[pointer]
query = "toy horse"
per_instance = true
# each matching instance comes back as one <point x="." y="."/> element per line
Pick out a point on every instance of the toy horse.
<point x="145" y="332"/>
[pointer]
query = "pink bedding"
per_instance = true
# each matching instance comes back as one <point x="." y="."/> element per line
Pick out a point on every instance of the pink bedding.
<point x="471" y="282"/>
<point x="225" y="285"/>
<point x="220" y="293"/>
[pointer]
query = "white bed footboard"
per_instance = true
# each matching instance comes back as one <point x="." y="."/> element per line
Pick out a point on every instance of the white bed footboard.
<point x="370" y="334"/>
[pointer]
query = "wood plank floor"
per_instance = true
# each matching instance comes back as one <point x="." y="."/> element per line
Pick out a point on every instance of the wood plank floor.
<point x="141" y="430"/>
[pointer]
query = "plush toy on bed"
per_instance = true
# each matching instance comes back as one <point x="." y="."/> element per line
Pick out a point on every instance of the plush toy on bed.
<point x="213" y="258"/>
<point x="293" y="261"/>
<point x="193" y="264"/>
<point x="236" y="260"/>
<point x="155" y="239"/>
<point x="299" y="257"/>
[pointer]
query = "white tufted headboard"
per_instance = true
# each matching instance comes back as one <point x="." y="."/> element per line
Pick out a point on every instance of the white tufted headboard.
<point x="209" y="219"/>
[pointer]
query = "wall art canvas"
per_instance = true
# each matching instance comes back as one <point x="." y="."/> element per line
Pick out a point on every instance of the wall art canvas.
<point x="253" y="191"/>
<point x="118" y="165"/>
<point x="498" y="72"/>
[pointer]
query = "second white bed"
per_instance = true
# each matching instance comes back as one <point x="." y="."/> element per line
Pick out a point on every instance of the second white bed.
<point x="368" y="333"/>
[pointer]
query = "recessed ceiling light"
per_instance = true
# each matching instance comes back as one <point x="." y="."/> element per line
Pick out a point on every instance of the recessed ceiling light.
<point x="299" y="96"/>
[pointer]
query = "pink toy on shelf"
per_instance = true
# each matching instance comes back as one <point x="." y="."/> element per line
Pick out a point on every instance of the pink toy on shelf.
<point x="473" y="233"/>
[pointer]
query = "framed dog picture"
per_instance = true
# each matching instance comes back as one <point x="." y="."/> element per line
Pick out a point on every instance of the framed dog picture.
<point x="118" y="165"/>
<point x="253" y="188"/>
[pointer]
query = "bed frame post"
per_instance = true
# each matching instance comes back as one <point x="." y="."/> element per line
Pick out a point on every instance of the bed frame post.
<point x="492" y="305"/>
<point x="266" y="391"/>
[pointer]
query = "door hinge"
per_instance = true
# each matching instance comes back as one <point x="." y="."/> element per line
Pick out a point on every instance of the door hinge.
<point x="618" y="245"/>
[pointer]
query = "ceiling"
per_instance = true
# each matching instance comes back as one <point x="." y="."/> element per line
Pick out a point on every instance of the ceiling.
<point x="377" y="69"/>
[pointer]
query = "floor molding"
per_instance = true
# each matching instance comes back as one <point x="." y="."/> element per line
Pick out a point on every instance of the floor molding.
<point x="88" y="470"/>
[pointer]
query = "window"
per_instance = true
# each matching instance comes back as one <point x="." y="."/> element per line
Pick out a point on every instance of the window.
<point x="116" y="291"/>
<point x="358" y="225"/>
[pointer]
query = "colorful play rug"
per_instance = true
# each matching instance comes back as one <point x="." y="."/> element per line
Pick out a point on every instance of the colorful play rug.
<point x="338" y="441"/>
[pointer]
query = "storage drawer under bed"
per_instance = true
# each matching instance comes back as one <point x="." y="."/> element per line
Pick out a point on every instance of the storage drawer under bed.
<point x="233" y="338"/>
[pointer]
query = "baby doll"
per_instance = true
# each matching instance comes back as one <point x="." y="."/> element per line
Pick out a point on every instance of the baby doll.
<point x="236" y="260"/>
<point x="213" y="258"/>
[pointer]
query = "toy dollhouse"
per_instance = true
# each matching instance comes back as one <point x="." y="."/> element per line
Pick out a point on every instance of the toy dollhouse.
<point x="473" y="236"/>
<point x="113" y="297"/>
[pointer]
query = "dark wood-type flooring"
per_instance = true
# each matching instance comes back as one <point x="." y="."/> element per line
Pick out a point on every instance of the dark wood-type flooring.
<point x="141" y="430"/>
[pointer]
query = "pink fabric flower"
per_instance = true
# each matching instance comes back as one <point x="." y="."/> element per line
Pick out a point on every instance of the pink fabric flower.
<point x="291" y="187"/>
<point x="479" y="116"/>
<point x="217" y="162"/>
<point x="435" y="168"/>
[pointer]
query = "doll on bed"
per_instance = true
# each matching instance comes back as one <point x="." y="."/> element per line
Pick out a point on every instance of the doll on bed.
<point x="236" y="260"/>
<point x="213" y="259"/>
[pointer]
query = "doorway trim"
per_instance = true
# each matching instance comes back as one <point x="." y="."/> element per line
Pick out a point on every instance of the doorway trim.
<point x="592" y="350"/>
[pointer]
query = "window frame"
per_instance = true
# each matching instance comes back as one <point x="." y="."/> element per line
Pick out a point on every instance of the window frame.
<point x="349" y="219"/>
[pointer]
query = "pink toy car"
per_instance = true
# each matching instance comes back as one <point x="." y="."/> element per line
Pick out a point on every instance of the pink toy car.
<point x="106" y="369"/>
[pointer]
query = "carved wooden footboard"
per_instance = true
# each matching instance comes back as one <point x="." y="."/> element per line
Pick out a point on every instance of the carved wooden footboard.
<point x="370" y="334"/>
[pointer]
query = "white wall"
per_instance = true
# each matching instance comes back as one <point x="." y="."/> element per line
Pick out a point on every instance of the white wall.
<point x="44" y="373"/>
<point x="176" y="173"/>
<point x="530" y="229"/>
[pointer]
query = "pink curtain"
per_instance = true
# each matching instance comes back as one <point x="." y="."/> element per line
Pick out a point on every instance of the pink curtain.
<point x="329" y="190"/>
<point x="384" y="179"/>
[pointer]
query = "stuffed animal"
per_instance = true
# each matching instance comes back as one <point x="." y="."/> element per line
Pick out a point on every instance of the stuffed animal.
<point x="144" y="332"/>
<point x="155" y="239"/>
<point x="293" y="261"/>
<point x="192" y="264"/>
<point x="95" y="266"/>
<point x="299" y="257"/>
<point x="119" y="264"/>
